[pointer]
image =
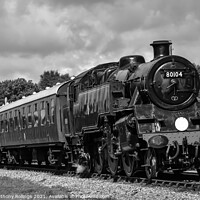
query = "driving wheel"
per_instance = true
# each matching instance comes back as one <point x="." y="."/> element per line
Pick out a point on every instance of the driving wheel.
<point x="129" y="163"/>
<point x="151" y="163"/>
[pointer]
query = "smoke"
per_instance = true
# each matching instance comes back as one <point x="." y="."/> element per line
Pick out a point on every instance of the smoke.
<point x="82" y="170"/>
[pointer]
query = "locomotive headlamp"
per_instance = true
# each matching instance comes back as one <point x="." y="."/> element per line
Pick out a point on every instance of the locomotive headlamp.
<point x="158" y="141"/>
<point x="181" y="123"/>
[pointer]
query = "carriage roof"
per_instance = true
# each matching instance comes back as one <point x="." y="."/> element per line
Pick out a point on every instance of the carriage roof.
<point x="42" y="94"/>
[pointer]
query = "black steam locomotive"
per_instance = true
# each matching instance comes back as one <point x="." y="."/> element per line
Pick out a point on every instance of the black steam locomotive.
<point x="127" y="115"/>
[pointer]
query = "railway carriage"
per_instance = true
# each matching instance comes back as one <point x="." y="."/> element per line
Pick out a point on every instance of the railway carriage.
<point x="33" y="128"/>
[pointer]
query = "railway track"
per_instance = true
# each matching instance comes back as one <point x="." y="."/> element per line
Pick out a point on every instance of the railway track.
<point x="186" y="180"/>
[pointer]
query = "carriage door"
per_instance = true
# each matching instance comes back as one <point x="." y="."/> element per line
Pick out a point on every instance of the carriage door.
<point x="68" y="113"/>
<point x="66" y="119"/>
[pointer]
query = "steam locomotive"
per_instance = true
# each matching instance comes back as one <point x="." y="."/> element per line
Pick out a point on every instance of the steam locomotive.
<point x="118" y="116"/>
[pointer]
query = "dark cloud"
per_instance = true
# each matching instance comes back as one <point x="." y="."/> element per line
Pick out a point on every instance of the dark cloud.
<point x="76" y="34"/>
<point x="113" y="46"/>
<point x="14" y="43"/>
<point x="65" y="3"/>
<point x="41" y="32"/>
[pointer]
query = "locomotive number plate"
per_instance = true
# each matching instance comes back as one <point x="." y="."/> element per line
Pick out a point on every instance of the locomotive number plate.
<point x="173" y="74"/>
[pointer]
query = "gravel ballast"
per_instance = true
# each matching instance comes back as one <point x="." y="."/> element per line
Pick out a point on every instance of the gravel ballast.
<point x="91" y="189"/>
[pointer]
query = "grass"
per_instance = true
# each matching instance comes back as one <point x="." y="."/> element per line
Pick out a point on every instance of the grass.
<point x="23" y="189"/>
<point x="19" y="189"/>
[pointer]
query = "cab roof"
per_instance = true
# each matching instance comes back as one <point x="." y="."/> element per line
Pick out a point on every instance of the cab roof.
<point x="78" y="78"/>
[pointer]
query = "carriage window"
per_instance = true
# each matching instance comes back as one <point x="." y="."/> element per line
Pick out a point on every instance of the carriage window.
<point x="23" y="118"/>
<point x="43" y="114"/>
<point x="36" y="119"/>
<point x="2" y="127"/>
<point x="6" y="125"/>
<point x="48" y="113"/>
<point x="29" y="117"/>
<point x="36" y="116"/>
<point x="52" y="111"/>
<point x="19" y="119"/>
<point x="16" y="124"/>
<point x="11" y="122"/>
<point x="6" y="122"/>
<point x="10" y="114"/>
<point x="2" y="124"/>
<point x="35" y="107"/>
<point x="23" y="122"/>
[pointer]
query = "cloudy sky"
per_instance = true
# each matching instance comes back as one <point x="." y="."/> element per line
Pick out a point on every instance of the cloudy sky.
<point x="73" y="35"/>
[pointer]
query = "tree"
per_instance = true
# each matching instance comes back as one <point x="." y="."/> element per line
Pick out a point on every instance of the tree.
<point x="13" y="90"/>
<point x="50" y="78"/>
<point x="197" y="67"/>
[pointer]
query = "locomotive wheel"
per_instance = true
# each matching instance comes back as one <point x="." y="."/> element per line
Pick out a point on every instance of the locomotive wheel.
<point x="39" y="162"/>
<point x="112" y="160"/>
<point x="129" y="163"/>
<point x="51" y="157"/>
<point x="151" y="164"/>
<point x="21" y="162"/>
<point x="51" y="160"/>
<point x="99" y="162"/>
<point x="11" y="158"/>
<point x="47" y="161"/>
<point x="29" y="161"/>
<point x="113" y="164"/>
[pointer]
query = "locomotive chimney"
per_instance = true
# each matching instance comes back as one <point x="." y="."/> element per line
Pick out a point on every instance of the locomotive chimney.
<point x="161" y="48"/>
